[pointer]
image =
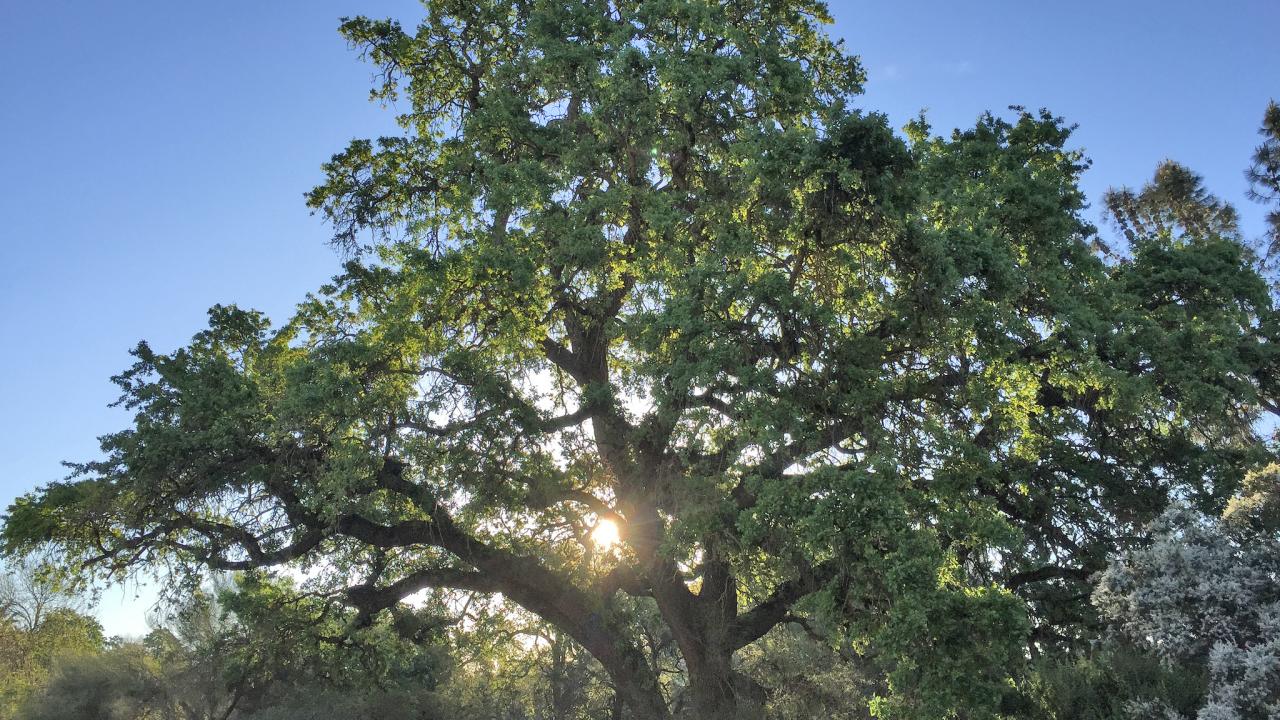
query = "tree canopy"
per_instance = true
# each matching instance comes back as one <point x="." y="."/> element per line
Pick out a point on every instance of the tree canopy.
<point x="645" y="266"/>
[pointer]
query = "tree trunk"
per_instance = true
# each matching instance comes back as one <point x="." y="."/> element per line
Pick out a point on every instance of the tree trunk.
<point x="718" y="692"/>
<point x="638" y="691"/>
<point x="711" y="696"/>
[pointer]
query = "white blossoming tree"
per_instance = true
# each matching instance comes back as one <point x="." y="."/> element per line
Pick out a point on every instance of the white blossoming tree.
<point x="1206" y="592"/>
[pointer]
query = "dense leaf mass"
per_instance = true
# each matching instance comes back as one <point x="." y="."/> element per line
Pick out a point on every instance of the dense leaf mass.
<point x="647" y="261"/>
<point x="1204" y="595"/>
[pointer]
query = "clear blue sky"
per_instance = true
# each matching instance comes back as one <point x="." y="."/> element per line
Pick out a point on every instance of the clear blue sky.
<point x="153" y="155"/>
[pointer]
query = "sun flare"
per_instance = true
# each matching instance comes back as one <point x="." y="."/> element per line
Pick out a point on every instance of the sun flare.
<point x="605" y="533"/>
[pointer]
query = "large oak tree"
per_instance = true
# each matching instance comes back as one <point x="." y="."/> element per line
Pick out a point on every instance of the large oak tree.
<point x="644" y="262"/>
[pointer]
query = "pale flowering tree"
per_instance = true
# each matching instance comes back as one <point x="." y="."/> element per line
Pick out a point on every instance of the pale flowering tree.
<point x="1206" y="592"/>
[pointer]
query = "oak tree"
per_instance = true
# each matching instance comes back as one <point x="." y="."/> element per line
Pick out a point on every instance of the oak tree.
<point x="642" y="269"/>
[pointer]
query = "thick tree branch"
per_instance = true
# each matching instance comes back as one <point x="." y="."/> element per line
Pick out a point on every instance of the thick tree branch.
<point x="1048" y="572"/>
<point x="753" y="624"/>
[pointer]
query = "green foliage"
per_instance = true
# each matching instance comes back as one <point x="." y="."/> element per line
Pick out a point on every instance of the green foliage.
<point x="1264" y="173"/>
<point x="234" y="653"/>
<point x="1256" y="509"/>
<point x="808" y="677"/>
<point x="40" y="626"/>
<point x="279" y="643"/>
<point x="28" y="656"/>
<point x="123" y="683"/>
<point x="1107" y="683"/>
<point x="329" y="704"/>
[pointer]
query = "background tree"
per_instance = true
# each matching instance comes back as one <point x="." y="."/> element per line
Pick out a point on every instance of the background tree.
<point x="243" y="649"/>
<point x="122" y="683"/>
<point x="640" y="269"/>
<point x="40" y="626"/>
<point x="1204" y="595"/>
<point x="1264" y="173"/>
<point x="31" y="588"/>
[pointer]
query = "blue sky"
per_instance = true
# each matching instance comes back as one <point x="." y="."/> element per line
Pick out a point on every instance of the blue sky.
<point x="153" y="156"/>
